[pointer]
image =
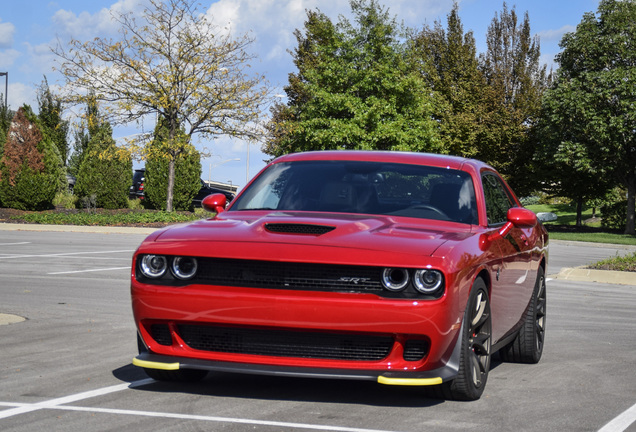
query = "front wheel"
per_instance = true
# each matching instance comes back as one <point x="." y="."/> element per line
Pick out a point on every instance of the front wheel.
<point x="476" y="339"/>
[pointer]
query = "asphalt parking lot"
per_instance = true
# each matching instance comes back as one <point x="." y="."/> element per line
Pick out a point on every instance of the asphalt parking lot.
<point x="67" y="365"/>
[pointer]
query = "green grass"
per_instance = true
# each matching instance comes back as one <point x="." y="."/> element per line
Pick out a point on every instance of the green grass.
<point x="626" y="263"/>
<point x="595" y="237"/>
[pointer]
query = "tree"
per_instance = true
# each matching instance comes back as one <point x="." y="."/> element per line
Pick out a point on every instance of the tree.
<point x="592" y="102"/>
<point x="355" y="89"/>
<point x="170" y="62"/>
<point x="50" y="116"/>
<point x="106" y="170"/>
<point x="187" y="179"/>
<point x="447" y="60"/>
<point x="31" y="168"/>
<point x="563" y="163"/>
<point x="516" y="82"/>
<point x="5" y="122"/>
<point x="88" y="126"/>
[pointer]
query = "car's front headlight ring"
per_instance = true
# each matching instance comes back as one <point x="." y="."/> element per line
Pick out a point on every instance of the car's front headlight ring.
<point x="428" y="281"/>
<point x="153" y="266"/>
<point x="184" y="268"/>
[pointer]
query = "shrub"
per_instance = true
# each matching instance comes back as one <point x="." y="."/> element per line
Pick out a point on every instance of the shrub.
<point x="31" y="170"/>
<point x="187" y="172"/>
<point x="187" y="181"/>
<point x="614" y="215"/>
<point x="105" y="173"/>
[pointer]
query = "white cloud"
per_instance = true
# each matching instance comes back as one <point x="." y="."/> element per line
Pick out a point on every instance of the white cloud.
<point x="85" y="25"/>
<point x="7" y="31"/>
<point x="272" y="22"/>
<point x="555" y="34"/>
<point x="20" y="94"/>
<point x="8" y="57"/>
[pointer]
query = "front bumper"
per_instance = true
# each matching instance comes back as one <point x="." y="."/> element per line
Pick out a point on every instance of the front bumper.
<point x="419" y="378"/>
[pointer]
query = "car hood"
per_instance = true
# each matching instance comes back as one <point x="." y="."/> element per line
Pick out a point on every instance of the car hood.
<point x="387" y="234"/>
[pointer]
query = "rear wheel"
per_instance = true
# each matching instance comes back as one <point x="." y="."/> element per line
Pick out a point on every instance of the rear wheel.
<point x="476" y="339"/>
<point x="527" y="347"/>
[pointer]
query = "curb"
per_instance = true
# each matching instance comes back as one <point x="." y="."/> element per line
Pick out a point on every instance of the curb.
<point x="582" y="274"/>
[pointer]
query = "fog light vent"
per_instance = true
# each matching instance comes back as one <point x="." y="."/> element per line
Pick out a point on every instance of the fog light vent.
<point x="161" y="334"/>
<point x="415" y="350"/>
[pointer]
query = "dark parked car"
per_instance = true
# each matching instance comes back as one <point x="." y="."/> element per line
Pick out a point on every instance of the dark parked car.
<point x="137" y="188"/>
<point x="209" y="190"/>
<point x="400" y="268"/>
<point x="139" y="178"/>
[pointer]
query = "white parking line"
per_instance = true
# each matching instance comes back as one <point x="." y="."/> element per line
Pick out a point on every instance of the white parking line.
<point x="14" y="244"/>
<point x="26" y="408"/>
<point x="89" y="270"/>
<point x="622" y="422"/>
<point x="58" y="404"/>
<point x="65" y="254"/>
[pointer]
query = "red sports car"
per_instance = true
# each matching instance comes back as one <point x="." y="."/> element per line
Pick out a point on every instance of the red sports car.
<point x="402" y="268"/>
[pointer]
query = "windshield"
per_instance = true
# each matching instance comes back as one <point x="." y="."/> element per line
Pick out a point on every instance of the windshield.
<point x="364" y="188"/>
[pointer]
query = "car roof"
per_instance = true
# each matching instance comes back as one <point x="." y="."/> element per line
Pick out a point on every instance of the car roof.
<point x="429" y="159"/>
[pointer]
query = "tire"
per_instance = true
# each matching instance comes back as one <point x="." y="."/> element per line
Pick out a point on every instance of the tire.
<point x="527" y="347"/>
<point x="476" y="340"/>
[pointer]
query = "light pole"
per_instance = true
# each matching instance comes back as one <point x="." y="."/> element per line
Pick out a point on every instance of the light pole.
<point x="6" y="87"/>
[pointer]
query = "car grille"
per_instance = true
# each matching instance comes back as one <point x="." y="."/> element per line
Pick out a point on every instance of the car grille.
<point x="301" y="276"/>
<point x="285" y="343"/>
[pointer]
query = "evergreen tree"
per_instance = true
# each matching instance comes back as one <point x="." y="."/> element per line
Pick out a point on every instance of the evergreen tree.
<point x="82" y="135"/>
<point x="31" y="170"/>
<point x="5" y="122"/>
<point x="187" y="171"/>
<point x="355" y="89"/>
<point x="447" y="60"/>
<point x="50" y="116"/>
<point x="516" y="81"/>
<point x="105" y="173"/>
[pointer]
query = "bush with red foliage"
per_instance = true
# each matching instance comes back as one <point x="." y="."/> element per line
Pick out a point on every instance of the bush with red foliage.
<point x="30" y="167"/>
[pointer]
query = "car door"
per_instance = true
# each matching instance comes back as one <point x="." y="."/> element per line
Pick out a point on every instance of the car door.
<point x="513" y="282"/>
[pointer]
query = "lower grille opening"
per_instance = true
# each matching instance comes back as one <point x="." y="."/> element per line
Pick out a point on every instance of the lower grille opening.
<point x="161" y="334"/>
<point x="415" y="350"/>
<point x="285" y="343"/>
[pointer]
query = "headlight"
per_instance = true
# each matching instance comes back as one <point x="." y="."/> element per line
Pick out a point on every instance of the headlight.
<point x="395" y="279"/>
<point x="153" y="266"/>
<point x="428" y="281"/>
<point x="184" y="267"/>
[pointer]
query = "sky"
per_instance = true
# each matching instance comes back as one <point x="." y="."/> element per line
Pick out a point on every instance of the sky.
<point x="29" y="28"/>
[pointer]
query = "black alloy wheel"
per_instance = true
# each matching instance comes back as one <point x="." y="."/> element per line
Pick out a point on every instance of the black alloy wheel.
<point x="474" y="363"/>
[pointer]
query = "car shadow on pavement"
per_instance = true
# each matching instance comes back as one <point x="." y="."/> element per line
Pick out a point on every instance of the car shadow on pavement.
<point x="232" y="385"/>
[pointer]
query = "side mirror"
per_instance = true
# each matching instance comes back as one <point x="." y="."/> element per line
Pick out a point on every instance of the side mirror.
<point x="522" y="217"/>
<point x="517" y="217"/>
<point x="214" y="203"/>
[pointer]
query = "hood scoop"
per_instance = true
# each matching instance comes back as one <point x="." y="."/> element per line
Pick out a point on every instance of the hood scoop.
<point x="294" y="228"/>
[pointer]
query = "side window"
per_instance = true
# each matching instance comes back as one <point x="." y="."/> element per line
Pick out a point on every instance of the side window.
<point x="497" y="200"/>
